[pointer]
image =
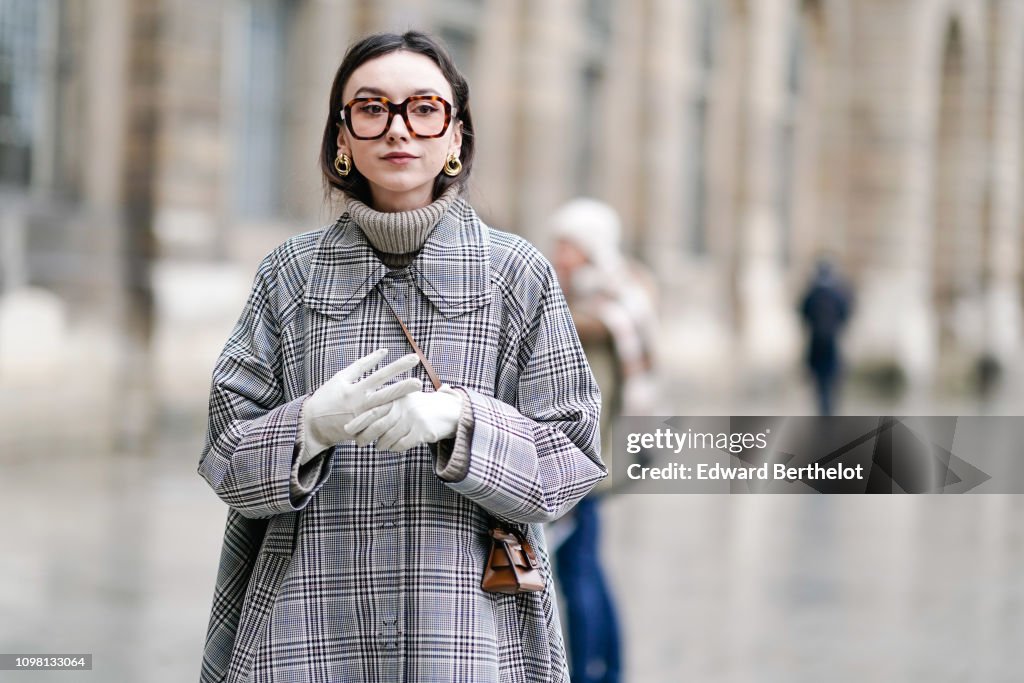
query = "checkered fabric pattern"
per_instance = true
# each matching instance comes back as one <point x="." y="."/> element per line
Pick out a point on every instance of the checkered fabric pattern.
<point x="374" y="575"/>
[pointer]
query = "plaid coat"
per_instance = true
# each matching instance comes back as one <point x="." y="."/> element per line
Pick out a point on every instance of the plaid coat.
<point x="375" y="574"/>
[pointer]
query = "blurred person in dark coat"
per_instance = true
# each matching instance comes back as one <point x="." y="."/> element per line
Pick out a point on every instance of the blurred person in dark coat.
<point x="825" y="309"/>
<point x="612" y="306"/>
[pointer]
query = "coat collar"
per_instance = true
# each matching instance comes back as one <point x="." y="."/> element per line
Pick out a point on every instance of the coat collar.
<point x="452" y="269"/>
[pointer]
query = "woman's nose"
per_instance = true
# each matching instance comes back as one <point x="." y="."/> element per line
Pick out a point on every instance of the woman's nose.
<point x="398" y="128"/>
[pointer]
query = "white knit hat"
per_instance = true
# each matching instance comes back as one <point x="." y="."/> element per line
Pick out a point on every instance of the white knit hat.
<point x="594" y="227"/>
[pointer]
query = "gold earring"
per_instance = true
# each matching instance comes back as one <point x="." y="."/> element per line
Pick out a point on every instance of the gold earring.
<point x="342" y="164"/>
<point x="452" y="165"/>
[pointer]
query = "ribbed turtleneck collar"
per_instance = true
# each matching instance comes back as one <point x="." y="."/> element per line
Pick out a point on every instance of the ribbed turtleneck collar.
<point x="399" y="232"/>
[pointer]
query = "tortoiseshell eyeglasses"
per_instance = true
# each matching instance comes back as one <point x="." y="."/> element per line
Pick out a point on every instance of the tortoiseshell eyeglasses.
<point x="425" y="116"/>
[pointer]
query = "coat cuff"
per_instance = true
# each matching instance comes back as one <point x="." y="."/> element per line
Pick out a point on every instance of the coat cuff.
<point x="250" y="465"/>
<point x="452" y="455"/>
<point x="306" y="470"/>
<point x="521" y="470"/>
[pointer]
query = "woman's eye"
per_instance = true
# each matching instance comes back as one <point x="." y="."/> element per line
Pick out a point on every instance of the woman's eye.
<point x="424" y="109"/>
<point x="371" y="109"/>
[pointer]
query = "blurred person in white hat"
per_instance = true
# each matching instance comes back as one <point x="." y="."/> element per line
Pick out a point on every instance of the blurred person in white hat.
<point x="612" y="303"/>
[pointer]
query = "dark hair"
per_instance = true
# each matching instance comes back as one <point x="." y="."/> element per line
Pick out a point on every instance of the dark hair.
<point x="375" y="46"/>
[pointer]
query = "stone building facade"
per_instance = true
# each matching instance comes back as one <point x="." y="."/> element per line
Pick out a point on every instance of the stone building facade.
<point x="739" y="139"/>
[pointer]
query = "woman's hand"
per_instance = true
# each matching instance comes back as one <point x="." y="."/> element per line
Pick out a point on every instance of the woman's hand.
<point x="344" y="396"/>
<point x="413" y="419"/>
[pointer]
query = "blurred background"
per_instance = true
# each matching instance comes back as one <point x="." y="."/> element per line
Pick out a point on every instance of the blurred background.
<point x="153" y="151"/>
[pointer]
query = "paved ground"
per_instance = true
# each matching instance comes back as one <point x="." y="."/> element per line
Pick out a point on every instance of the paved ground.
<point x="112" y="541"/>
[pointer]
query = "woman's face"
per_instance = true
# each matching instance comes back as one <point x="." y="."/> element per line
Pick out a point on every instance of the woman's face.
<point x="567" y="260"/>
<point x="399" y="167"/>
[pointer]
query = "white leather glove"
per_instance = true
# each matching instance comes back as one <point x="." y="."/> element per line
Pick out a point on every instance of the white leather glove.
<point x="344" y="396"/>
<point x="413" y="419"/>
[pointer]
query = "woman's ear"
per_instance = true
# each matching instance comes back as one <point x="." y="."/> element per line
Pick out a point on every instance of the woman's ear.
<point x="342" y="141"/>
<point x="456" y="145"/>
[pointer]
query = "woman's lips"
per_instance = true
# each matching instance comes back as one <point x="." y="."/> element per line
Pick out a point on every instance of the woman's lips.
<point x="399" y="159"/>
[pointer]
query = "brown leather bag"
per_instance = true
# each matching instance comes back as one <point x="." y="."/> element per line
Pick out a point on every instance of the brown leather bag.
<point x="512" y="566"/>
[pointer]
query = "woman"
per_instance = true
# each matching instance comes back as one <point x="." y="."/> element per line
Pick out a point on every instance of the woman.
<point x="358" y="517"/>
<point x="615" y="318"/>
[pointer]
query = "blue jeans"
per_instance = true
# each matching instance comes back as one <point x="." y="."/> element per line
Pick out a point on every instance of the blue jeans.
<point x="594" y="648"/>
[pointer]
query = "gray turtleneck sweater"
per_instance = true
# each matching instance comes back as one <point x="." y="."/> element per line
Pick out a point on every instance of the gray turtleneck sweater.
<point x="396" y="238"/>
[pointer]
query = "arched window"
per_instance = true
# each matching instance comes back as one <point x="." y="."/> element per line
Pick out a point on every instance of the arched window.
<point x="32" y="55"/>
<point x="949" y="162"/>
<point x="810" y="131"/>
<point x="1020" y="185"/>
<point x="788" y="122"/>
<point x="697" y="146"/>
<point x="596" y="45"/>
<point x="260" y="57"/>
<point x="458" y="22"/>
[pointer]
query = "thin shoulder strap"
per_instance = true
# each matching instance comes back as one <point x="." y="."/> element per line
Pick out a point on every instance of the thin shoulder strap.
<point x="416" y="347"/>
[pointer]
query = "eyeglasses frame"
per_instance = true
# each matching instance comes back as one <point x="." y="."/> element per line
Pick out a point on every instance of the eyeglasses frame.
<point x="401" y="108"/>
